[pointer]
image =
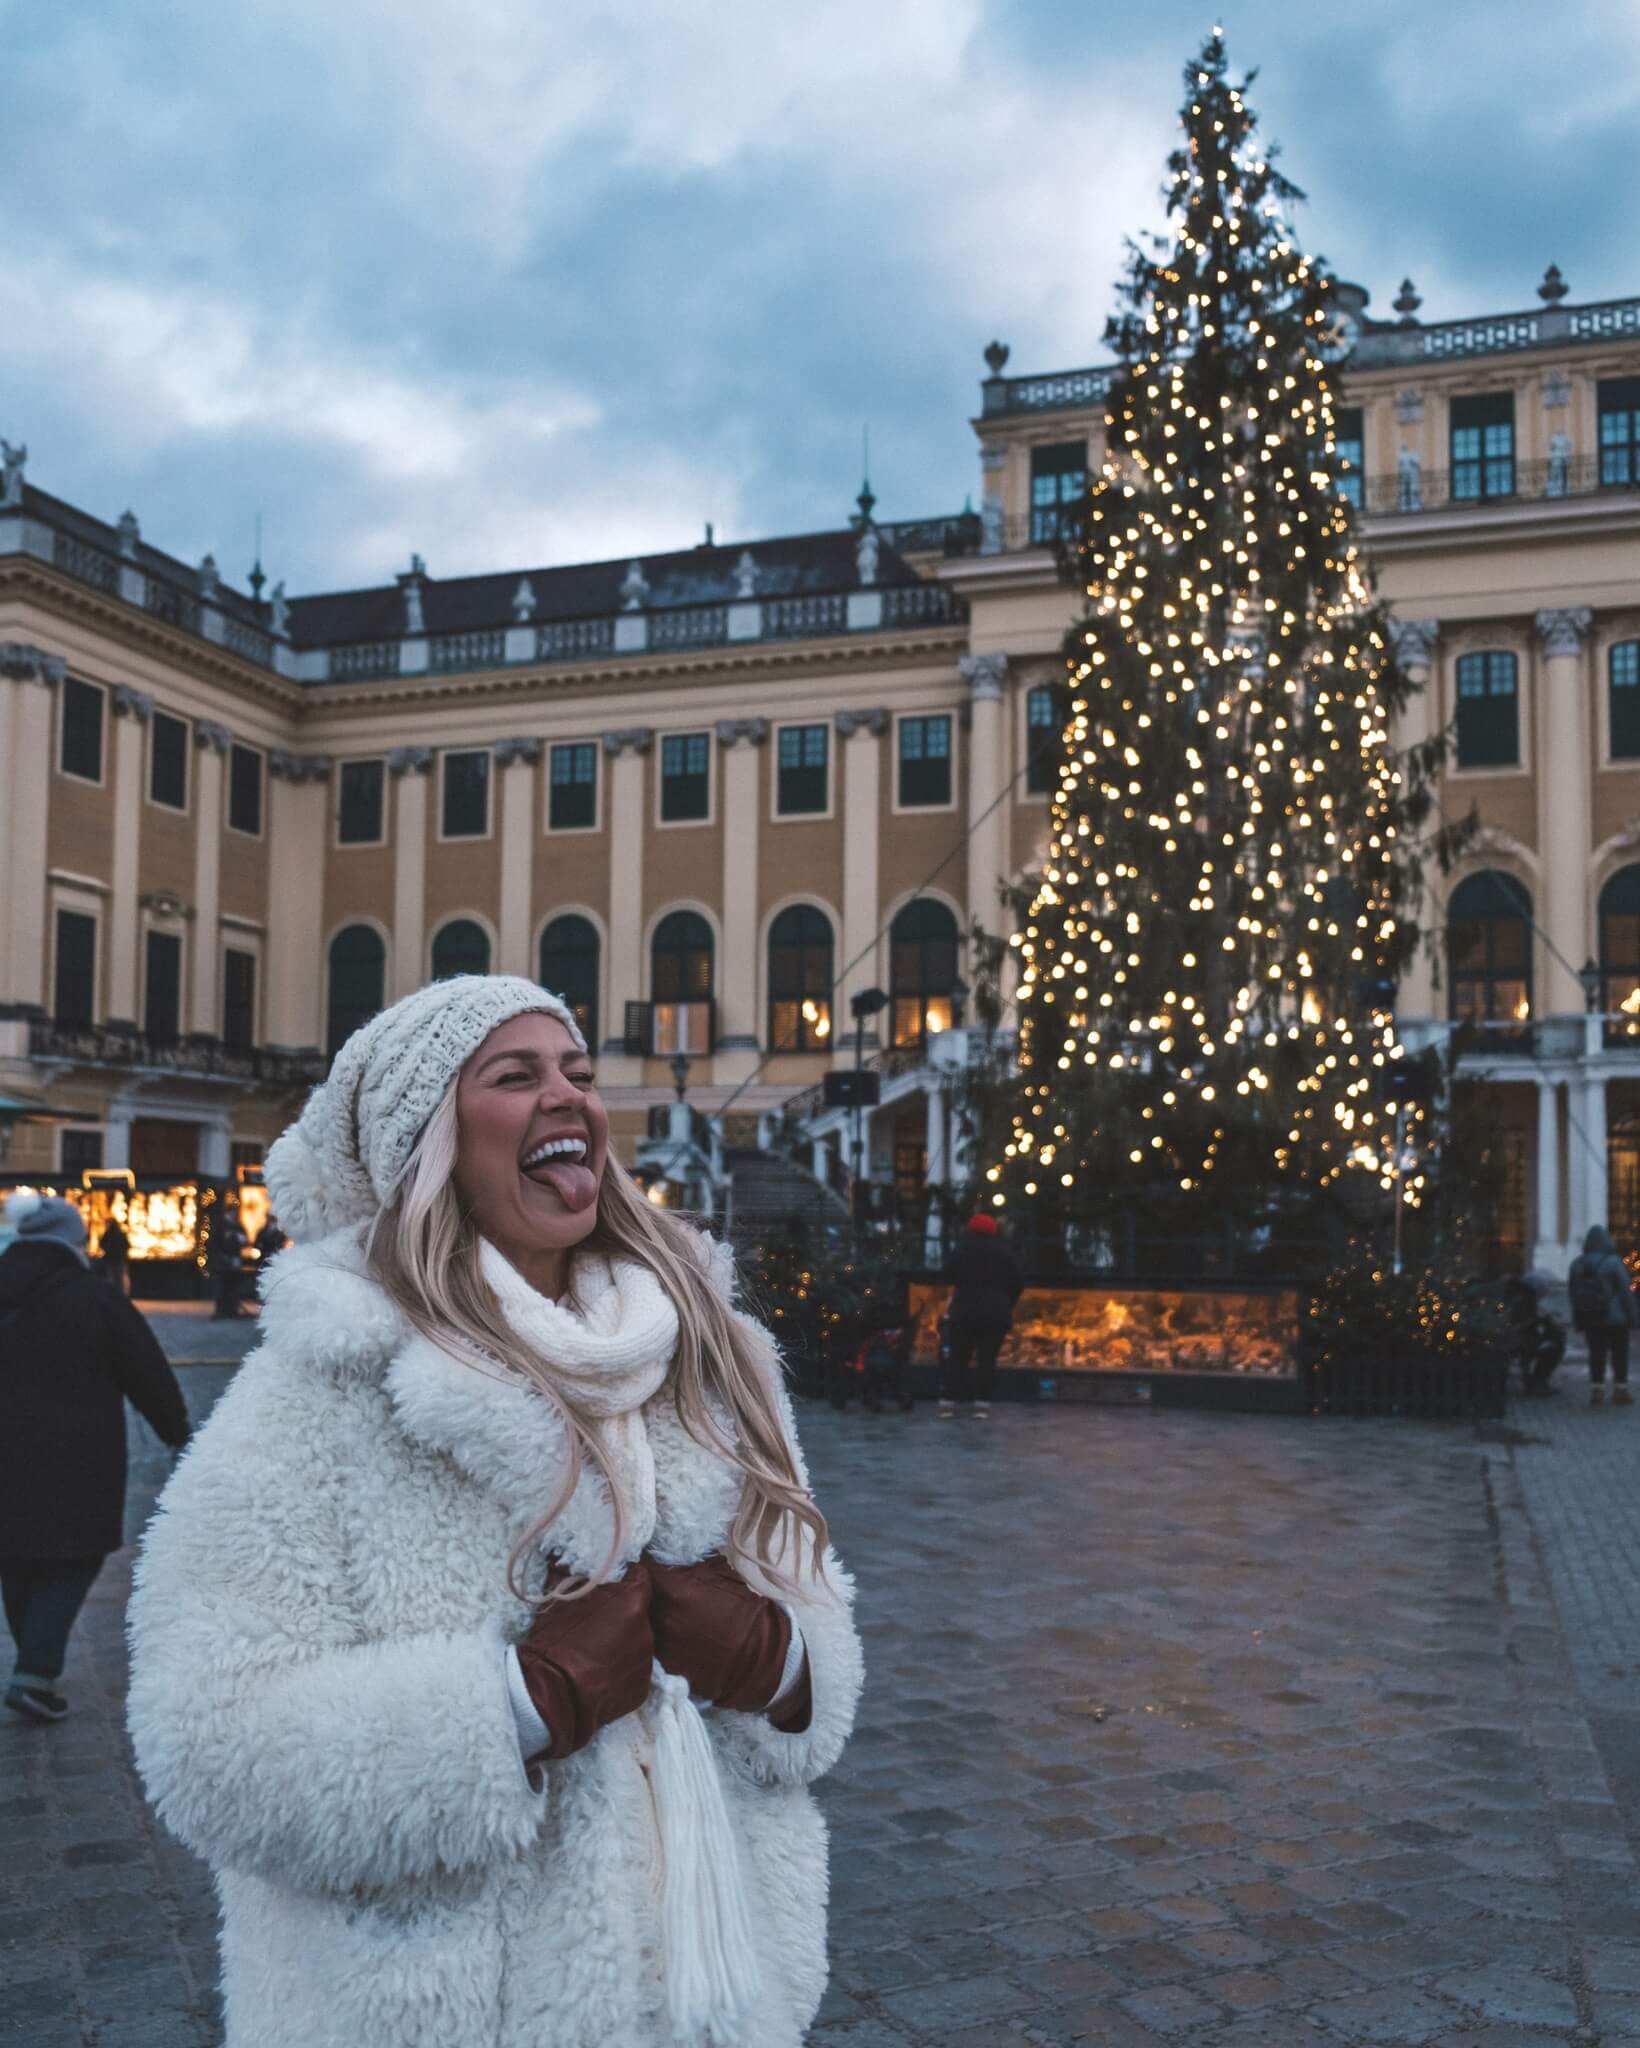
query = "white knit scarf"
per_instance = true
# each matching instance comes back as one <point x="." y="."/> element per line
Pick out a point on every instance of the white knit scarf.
<point x="612" y="1351"/>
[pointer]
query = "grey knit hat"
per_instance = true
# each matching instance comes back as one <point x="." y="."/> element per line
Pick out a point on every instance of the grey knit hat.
<point x="340" y="1160"/>
<point x="46" y="1219"/>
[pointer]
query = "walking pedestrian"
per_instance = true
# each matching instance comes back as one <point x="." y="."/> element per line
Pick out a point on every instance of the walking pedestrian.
<point x="986" y="1284"/>
<point x="72" y="1352"/>
<point x="227" y="1253"/>
<point x="1604" y="1309"/>
<point x="114" y="1255"/>
<point x="489" y="1638"/>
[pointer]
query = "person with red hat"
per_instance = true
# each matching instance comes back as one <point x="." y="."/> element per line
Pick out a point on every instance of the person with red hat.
<point x="986" y="1283"/>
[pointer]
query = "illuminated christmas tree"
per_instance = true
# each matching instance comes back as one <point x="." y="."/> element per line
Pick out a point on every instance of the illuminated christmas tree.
<point x="1207" y="967"/>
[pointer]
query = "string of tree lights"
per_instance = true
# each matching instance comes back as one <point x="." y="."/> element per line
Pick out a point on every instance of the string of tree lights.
<point x="1206" y="972"/>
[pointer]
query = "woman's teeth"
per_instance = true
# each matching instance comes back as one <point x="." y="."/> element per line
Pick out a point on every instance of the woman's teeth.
<point x="556" y="1148"/>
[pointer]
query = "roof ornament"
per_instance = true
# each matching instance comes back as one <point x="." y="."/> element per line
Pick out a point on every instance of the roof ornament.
<point x="279" y="605"/>
<point x="210" y="577"/>
<point x="12" y="459"/>
<point x="866" y="550"/>
<point x="130" y="533"/>
<point x="746" y="575"/>
<point x="1554" y="287"/>
<point x="635" y="586"/>
<point x="523" y="603"/>
<point x="996" y="358"/>
<point x="256" y="579"/>
<point x="1407" y="302"/>
<point x="414" y="618"/>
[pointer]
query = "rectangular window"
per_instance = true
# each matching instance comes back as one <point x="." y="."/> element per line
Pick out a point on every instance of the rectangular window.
<point x="162" y="989"/>
<point x="168" y="761"/>
<point x="572" y="804"/>
<point x="238" y="999"/>
<point x="1623" y="700"/>
<point x="1349" y="429"/>
<point x="82" y="734"/>
<point x="1483" y="446"/>
<point x="1618" y="403"/>
<point x="1041" y="738"/>
<point x="465" y="810"/>
<point x="79" y="1152"/>
<point x="685" y="777"/>
<point x="74" y="980"/>
<point x="361" y="806"/>
<point x="800" y="786"/>
<point x="925" y="761"/>
<point x="245" y="790"/>
<point x="1488" y="710"/>
<point x="1059" y="476"/>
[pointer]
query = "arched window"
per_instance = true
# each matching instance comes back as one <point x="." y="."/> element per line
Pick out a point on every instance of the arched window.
<point x="800" y="980"/>
<point x="1488" y="709"/>
<point x="922" y="970"/>
<point x="1623" y="699"/>
<point x="1620" y="953"/>
<point x="1041" y="739"/>
<point x="680" y="984"/>
<point x="358" y="982"/>
<point x="460" y="947"/>
<point x="569" y="967"/>
<point x="1489" y="948"/>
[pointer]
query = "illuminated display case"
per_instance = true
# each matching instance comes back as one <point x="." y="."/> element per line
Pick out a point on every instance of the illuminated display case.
<point x="1251" y="1331"/>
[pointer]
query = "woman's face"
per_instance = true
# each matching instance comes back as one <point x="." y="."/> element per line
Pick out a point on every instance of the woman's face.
<point x="533" y="1139"/>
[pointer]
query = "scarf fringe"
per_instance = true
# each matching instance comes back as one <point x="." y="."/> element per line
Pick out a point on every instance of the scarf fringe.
<point x="712" y="1975"/>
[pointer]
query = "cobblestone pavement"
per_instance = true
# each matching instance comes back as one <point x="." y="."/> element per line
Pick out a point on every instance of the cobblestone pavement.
<point x="1236" y="1731"/>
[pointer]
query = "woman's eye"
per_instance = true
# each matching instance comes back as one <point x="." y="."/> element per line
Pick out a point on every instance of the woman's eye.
<point x="517" y="1074"/>
<point x="583" y="1081"/>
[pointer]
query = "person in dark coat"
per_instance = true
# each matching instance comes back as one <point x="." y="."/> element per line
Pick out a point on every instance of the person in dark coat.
<point x="1604" y="1309"/>
<point x="986" y="1283"/>
<point x="72" y="1352"/>
<point x="114" y="1255"/>
<point x="227" y="1259"/>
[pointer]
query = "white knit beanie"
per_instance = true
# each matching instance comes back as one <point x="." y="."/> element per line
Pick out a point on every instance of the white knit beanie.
<point x="340" y="1160"/>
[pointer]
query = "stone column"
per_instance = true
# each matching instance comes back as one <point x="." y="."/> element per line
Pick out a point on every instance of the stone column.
<point x="987" y="778"/>
<point x="410" y="768"/>
<point x="934" y="1135"/>
<point x="1590" y="1153"/>
<point x="861" y="781"/>
<point x="1547" y="1252"/>
<point x="211" y="743"/>
<point x="298" y="836"/>
<point x="36" y="676"/>
<point x="1563" y="785"/>
<point x="742" y="740"/>
<point x="624" y="970"/>
<point x="515" y="762"/>
<point x="132" y="711"/>
<point x="1415" y="641"/>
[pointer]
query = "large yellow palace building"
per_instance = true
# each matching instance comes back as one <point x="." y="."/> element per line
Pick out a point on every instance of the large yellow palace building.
<point x="692" y="789"/>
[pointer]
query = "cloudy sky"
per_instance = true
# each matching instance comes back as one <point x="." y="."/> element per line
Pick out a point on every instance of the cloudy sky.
<point x="522" y="281"/>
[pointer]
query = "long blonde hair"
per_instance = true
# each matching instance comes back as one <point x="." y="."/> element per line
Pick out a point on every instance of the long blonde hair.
<point x="423" y="1248"/>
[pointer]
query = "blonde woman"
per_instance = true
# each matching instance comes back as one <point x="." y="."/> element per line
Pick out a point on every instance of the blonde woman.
<point x="487" y="1639"/>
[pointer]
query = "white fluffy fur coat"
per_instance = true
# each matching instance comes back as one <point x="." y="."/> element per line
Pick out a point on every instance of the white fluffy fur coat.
<point x="319" y="1709"/>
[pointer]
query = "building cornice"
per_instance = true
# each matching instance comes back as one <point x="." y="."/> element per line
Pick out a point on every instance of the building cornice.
<point x="23" y="576"/>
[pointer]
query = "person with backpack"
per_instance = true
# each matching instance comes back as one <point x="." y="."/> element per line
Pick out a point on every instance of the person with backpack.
<point x="73" y="1351"/>
<point x="1603" y="1308"/>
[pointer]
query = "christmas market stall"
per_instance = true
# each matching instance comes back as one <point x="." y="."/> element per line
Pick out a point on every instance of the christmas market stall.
<point x="167" y="1223"/>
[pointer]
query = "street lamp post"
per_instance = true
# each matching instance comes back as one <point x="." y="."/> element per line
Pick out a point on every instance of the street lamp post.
<point x="865" y="1003"/>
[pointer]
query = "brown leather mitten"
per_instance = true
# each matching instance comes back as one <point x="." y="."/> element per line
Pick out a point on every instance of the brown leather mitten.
<point x="711" y="1628"/>
<point x="587" y="1662"/>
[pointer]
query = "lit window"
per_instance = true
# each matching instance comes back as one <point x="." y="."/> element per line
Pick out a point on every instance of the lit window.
<point x="569" y="968"/>
<point x="1489" y="949"/>
<point x="800" y="968"/>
